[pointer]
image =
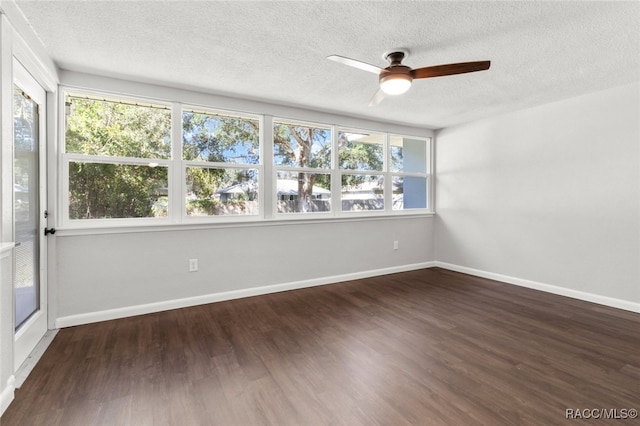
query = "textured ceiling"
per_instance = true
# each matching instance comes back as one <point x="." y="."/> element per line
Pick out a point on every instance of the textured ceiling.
<point x="275" y="51"/>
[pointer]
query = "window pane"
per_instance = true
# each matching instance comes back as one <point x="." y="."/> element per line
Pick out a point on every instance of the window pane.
<point x="218" y="138"/>
<point x="109" y="128"/>
<point x="301" y="146"/>
<point x="409" y="193"/>
<point x="408" y="155"/>
<point x="362" y="192"/>
<point x="303" y="192"/>
<point x="104" y="191"/>
<point x="221" y="192"/>
<point x="360" y="151"/>
<point x="26" y="190"/>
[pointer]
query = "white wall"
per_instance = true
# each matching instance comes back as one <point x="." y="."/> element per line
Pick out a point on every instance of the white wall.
<point x="547" y="197"/>
<point x="112" y="275"/>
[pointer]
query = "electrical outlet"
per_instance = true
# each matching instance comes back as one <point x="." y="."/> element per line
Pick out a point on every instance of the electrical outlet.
<point x="395" y="245"/>
<point x="193" y="265"/>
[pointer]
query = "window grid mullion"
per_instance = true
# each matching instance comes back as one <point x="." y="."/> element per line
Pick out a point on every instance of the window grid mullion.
<point x="265" y="177"/>
<point x="388" y="187"/>
<point x="177" y="174"/>
<point x="301" y="169"/>
<point x="66" y="220"/>
<point x="207" y="165"/>
<point x="402" y="174"/>
<point x="105" y="159"/>
<point x="336" y="176"/>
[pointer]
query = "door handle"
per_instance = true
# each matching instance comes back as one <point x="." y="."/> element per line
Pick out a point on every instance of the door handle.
<point x="48" y="231"/>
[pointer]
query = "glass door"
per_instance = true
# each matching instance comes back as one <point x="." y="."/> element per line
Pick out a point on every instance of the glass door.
<point x="29" y="191"/>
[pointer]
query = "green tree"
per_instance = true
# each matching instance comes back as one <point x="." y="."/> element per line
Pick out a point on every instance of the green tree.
<point x="101" y="189"/>
<point x="303" y="146"/>
<point x="110" y="129"/>
<point x="117" y="130"/>
<point x="354" y="155"/>
<point x="221" y="139"/>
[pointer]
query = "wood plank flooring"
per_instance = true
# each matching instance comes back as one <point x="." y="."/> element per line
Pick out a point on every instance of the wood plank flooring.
<point x="427" y="347"/>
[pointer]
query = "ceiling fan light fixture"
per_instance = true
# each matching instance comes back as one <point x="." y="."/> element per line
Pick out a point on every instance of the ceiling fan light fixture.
<point x="395" y="84"/>
<point x="396" y="79"/>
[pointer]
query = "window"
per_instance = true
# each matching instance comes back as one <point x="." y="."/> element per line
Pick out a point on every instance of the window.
<point x="109" y="190"/>
<point x="361" y="157"/>
<point x="409" y="172"/>
<point x="116" y="156"/>
<point x="221" y="191"/>
<point x="222" y="158"/>
<point x="302" y="161"/>
<point x="123" y="162"/>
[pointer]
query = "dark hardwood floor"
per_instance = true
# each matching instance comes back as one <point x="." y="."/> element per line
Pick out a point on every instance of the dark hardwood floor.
<point x="426" y="347"/>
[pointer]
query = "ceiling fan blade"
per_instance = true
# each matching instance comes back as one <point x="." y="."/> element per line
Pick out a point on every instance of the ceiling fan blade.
<point x="355" y="63"/>
<point x="450" y="69"/>
<point x="377" y="98"/>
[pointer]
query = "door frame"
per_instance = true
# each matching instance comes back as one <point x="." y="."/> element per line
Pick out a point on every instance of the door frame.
<point x="32" y="331"/>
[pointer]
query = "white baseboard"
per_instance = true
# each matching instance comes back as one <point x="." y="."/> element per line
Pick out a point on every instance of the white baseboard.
<point x="28" y="365"/>
<point x="562" y="291"/>
<point x="128" y="311"/>
<point x="6" y="396"/>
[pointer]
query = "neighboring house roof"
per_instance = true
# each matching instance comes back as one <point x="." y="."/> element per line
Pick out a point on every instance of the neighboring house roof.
<point x="290" y="187"/>
<point x="240" y="188"/>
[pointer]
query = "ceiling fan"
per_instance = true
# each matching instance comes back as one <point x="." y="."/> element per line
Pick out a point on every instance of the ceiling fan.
<point x="397" y="78"/>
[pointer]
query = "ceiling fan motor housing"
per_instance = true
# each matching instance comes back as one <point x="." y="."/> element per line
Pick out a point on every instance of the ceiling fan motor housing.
<point x="395" y="57"/>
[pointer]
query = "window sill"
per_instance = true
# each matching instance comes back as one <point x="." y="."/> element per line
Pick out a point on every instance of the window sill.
<point x="289" y="221"/>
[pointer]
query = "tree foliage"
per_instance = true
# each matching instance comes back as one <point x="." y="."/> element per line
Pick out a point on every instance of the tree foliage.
<point x="304" y="146"/>
<point x="118" y="130"/>
<point x="103" y="189"/>
<point x="355" y="155"/>
<point x="219" y="139"/>
<point x="110" y="129"/>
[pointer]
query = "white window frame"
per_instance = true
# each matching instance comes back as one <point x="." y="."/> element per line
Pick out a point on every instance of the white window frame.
<point x="295" y="169"/>
<point x="385" y="162"/>
<point x="426" y="174"/>
<point x="67" y="158"/>
<point x="267" y="169"/>
<point x="184" y="164"/>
